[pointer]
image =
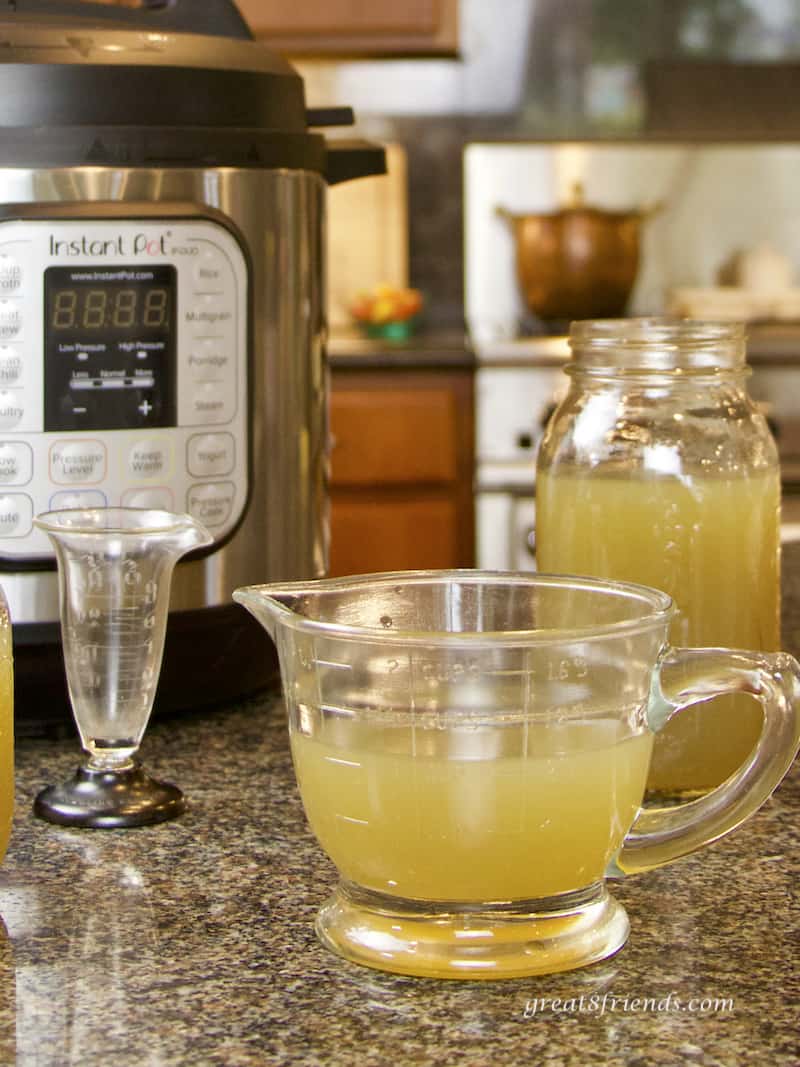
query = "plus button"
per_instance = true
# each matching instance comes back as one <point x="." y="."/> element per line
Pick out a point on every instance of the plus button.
<point x="145" y="407"/>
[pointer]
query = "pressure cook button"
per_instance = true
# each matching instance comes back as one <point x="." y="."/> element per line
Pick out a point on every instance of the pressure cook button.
<point x="85" y="498"/>
<point x="12" y="408"/>
<point x="16" y="463"/>
<point x="149" y="458"/>
<point x="149" y="498"/>
<point x="10" y="318"/>
<point x="211" y="503"/>
<point x="10" y="274"/>
<point x="77" y="461"/>
<point x="210" y="454"/>
<point x="11" y="365"/>
<point x="16" y="515"/>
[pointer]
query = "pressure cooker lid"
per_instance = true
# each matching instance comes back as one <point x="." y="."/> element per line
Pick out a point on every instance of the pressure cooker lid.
<point x="85" y="82"/>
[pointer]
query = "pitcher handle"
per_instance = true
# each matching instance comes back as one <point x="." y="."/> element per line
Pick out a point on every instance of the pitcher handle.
<point x="684" y="677"/>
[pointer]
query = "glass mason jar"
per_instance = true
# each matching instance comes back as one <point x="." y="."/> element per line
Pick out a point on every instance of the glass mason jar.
<point x="658" y="468"/>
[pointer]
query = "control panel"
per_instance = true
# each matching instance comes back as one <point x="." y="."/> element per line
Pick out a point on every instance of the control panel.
<point x="123" y="372"/>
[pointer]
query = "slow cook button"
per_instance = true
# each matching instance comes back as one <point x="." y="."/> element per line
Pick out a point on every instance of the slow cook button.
<point x="16" y="515"/>
<point x="210" y="454"/>
<point x="12" y="408"/>
<point x="211" y="403"/>
<point x="77" y="461"/>
<point x="85" y="498"/>
<point x="16" y="463"/>
<point x="10" y="365"/>
<point x="149" y="458"/>
<point x="211" y="503"/>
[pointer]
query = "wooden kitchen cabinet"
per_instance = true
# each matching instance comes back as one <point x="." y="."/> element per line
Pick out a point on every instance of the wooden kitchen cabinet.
<point x="355" y="27"/>
<point x="401" y="469"/>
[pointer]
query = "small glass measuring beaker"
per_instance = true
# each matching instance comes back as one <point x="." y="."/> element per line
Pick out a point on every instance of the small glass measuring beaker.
<point x="472" y="750"/>
<point x="115" y="567"/>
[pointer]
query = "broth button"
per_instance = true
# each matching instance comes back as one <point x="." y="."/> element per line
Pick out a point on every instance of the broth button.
<point x="211" y="503"/>
<point x="10" y="274"/>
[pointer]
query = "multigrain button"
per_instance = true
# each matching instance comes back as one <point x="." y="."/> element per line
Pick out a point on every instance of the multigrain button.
<point x="211" y="503"/>
<point x="10" y="319"/>
<point x="11" y="365"/>
<point x="211" y="454"/>
<point x="77" y="461"/>
<point x="149" y="458"/>
<point x="16" y="515"/>
<point x="12" y="408"/>
<point x="16" y="463"/>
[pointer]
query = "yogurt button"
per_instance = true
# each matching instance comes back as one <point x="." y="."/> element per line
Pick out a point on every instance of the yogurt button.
<point x="16" y="463"/>
<point x="16" y="515"/>
<point x="11" y="365"/>
<point x="77" y="461"/>
<point x="12" y="408"/>
<point x="210" y="454"/>
<point x="87" y="498"/>
<point x="211" y="503"/>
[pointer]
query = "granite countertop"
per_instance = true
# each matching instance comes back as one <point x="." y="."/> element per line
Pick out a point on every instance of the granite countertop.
<point x="192" y="942"/>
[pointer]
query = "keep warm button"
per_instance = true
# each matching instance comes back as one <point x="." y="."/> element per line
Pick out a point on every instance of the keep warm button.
<point x="211" y="503"/>
<point x="77" y="461"/>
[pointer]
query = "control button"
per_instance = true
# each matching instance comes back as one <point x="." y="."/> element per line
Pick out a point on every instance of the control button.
<point x="86" y="498"/>
<point x="211" y="403"/>
<point x="12" y="408"/>
<point x="149" y="458"/>
<point x="208" y="317"/>
<point x="77" y="461"/>
<point x="11" y="365"/>
<point x="10" y="274"/>
<point x="209" y="272"/>
<point x="10" y="319"/>
<point x="149" y="498"/>
<point x="211" y="503"/>
<point x="16" y="463"/>
<point x="16" y="515"/>
<point x="210" y="454"/>
<point x="209" y="361"/>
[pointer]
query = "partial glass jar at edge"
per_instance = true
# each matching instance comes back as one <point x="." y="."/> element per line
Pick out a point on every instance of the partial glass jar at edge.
<point x="658" y="468"/>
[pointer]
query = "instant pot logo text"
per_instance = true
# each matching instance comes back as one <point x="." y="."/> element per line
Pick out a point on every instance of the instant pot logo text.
<point x="139" y="244"/>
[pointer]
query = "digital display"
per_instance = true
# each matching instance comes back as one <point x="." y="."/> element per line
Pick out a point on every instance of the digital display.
<point x="110" y="359"/>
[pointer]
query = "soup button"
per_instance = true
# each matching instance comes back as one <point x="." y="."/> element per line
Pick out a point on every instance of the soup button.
<point x="211" y="503"/>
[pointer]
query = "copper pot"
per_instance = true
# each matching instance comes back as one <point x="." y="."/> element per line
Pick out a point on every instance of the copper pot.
<point x="579" y="262"/>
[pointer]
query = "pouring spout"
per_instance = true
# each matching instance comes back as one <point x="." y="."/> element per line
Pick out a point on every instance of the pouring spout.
<point x="268" y="604"/>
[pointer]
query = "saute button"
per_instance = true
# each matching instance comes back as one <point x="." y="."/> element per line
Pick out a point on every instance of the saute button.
<point x="11" y="408"/>
<point x="16" y="515"/>
<point x="77" y="461"/>
<point x="211" y="454"/>
<point x="86" y="498"/>
<point x="149" y="498"/>
<point x="16" y="463"/>
<point x="10" y="318"/>
<point x="211" y="503"/>
<point x="10" y="274"/>
<point x="11" y="365"/>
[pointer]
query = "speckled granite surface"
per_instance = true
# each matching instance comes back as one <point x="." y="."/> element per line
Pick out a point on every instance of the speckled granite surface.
<point x="192" y="942"/>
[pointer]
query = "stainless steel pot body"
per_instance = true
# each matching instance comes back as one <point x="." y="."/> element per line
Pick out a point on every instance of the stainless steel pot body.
<point x="280" y="215"/>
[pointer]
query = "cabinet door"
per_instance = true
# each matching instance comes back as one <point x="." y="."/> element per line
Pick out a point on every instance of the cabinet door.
<point x="355" y="27"/>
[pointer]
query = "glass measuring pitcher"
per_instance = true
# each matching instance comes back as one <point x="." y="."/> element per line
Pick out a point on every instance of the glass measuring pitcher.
<point x="472" y="749"/>
<point x="114" y="569"/>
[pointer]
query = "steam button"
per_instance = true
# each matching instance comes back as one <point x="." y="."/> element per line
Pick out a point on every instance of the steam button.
<point x="10" y="274"/>
<point x="10" y="318"/>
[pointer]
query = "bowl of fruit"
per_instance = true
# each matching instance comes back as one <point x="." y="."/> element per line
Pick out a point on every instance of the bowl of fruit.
<point x="387" y="311"/>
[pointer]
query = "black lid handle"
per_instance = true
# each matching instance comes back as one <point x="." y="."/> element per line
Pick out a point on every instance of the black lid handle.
<point x="353" y="159"/>
<point x="216" y="18"/>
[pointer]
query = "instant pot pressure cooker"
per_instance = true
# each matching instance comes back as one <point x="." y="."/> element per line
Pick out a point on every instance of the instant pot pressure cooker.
<point x="162" y="202"/>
